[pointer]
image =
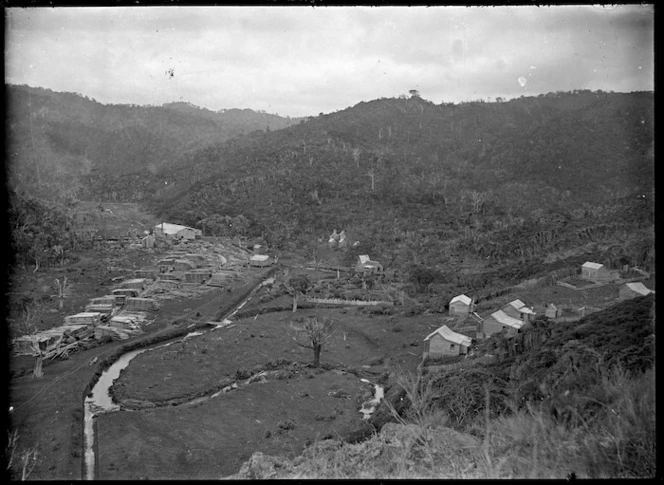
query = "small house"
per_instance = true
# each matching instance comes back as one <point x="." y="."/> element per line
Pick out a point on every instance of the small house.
<point x="366" y="265"/>
<point x="518" y="309"/>
<point x="552" y="311"/>
<point x="632" y="290"/>
<point x="499" y="321"/>
<point x="595" y="272"/>
<point x="333" y="241"/>
<point x="445" y="342"/>
<point x="260" y="260"/>
<point x="460" y="305"/>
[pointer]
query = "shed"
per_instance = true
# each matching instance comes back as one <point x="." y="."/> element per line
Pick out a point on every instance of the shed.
<point x="445" y="342"/>
<point x="595" y="272"/>
<point x="552" y="311"/>
<point x="499" y="321"/>
<point x="367" y="265"/>
<point x="176" y="231"/>
<point x="260" y="260"/>
<point x="460" y="305"/>
<point x="632" y="290"/>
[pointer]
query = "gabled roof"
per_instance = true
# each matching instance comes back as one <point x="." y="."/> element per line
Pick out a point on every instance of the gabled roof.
<point x="169" y="228"/>
<point x="450" y="336"/>
<point x="364" y="258"/>
<point x="525" y="309"/>
<point x="591" y="265"/>
<point x="504" y="319"/>
<point x="259" y="257"/>
<point x="462" y="298"/>
<point x="517" y="304"/>
<point x="551" y="305"/>
<point x="638" y="287"/>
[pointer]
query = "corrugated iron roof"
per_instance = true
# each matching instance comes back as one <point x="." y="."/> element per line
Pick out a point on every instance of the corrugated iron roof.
<point x="462" y="298"/>
<point x="517" y="304"/>
<point x="591" y="265"/>
<point x="451" y="336"/>
<point x="504" y="319"/>
<point x="259" y="257"/>
<point x="169" y="228"/>
<point x="364" y="258"/>
<point x="638" y="287"/>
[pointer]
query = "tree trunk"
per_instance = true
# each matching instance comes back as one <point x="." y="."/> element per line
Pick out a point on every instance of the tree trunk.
<point x="317" y="349"/>
<point x="37" y="371"/>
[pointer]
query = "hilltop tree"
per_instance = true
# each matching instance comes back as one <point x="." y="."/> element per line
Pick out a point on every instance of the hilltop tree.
<point x="314" y="333"/>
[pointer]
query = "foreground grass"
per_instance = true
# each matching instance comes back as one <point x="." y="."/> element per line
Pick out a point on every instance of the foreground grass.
<point x="529" y="443"/>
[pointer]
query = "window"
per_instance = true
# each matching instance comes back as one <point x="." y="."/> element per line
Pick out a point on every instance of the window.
<point x="451" y="346"/>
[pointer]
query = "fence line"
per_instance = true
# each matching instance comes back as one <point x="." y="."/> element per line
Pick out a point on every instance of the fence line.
<point x="339" y="301"/>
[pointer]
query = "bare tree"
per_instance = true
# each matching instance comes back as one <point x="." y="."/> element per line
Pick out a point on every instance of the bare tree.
<point x="356" y="157"/>
<point x="63" y="291"/>
<point x="314" y="333"/>
<point x="372" y="173"/>
<point x="23" y="461"/>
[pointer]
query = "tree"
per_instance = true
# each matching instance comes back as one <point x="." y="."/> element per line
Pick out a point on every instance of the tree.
<point x="297" y="286"/>
<point x="314" y="333"/>
<point x="63" y="291"/>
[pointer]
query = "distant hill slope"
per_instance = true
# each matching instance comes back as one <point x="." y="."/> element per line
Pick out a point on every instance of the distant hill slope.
<point x="410" y="165"/>
<point x="54" y="139"/>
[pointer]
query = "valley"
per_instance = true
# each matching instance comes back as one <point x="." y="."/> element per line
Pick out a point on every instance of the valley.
<point x="434" y="201"/>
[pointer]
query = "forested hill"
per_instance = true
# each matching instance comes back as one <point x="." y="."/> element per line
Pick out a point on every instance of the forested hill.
<point x="67" y="143"/>
<point x="551" y="154"/>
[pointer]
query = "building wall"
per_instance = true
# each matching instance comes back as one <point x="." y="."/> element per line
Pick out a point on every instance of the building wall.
<point x="459" y="308"/>
<point x="626" y="294"/>
<point x="492" y="326"/>
<point x="439" y="347"/>
<point x="511" y="311"/>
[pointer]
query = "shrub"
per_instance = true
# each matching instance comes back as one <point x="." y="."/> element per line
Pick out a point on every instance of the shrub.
<point x="242" y="374"/>
<point x="286" y="425"/>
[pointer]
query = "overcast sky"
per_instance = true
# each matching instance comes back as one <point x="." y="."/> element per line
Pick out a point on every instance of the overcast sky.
<point x="300" y="61"/>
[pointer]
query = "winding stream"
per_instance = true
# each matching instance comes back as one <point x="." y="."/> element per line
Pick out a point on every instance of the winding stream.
<point x="100" y="401"/>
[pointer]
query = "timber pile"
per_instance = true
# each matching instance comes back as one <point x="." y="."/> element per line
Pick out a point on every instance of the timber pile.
<point x="84" y="318"/>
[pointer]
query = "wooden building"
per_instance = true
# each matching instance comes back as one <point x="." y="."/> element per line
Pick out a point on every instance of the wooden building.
<point x="499" y="321"/>
<point x="632" y="290"/>
<point x="595" y="272"/>
<point x="460" y="305"/>
<point x="444" y="342"/>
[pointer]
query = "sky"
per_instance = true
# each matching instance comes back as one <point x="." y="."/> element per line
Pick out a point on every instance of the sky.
<point x="302" y="61"/>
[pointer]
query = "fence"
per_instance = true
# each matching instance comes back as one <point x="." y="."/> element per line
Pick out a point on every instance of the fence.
<point x="340" y="301"/>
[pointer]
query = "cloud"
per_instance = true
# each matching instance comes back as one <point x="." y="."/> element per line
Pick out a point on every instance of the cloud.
<point x="302" y="61"/>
